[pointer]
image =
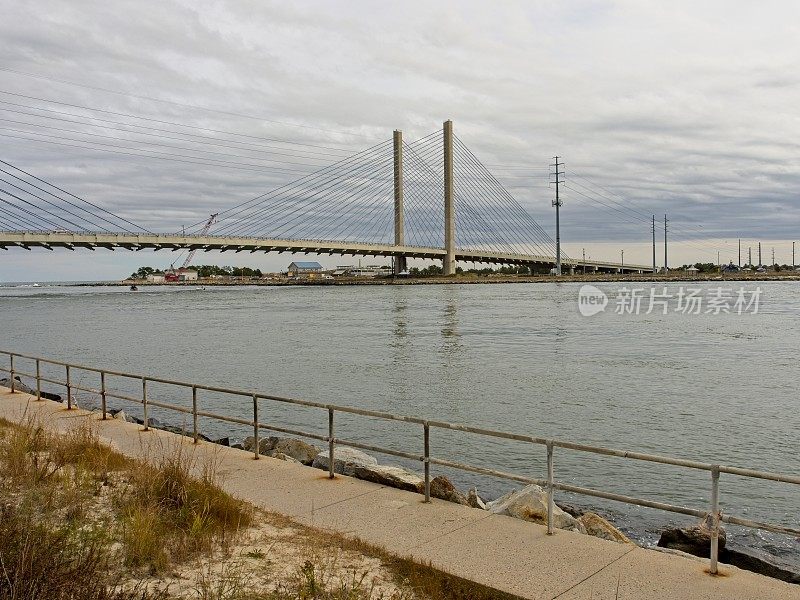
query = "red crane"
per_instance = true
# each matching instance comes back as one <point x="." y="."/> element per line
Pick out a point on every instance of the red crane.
<point x="203" y="231"/>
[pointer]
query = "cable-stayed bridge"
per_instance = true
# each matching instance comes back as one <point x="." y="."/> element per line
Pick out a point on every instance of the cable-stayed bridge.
<point x="429" y="199"/>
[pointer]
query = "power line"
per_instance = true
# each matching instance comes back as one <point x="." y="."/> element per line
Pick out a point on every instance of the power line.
<point x="176" y="103"/>
<point x="163" y="155"/>
<point x="204" y="138"/>
<point x="159" y="121"/>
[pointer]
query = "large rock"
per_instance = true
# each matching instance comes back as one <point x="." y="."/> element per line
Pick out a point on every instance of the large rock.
<point x="474" y="500"/>
<point x="443" y="488"/>
<point x="345" y="459"/>
<point x="692" y="540"/>
<point x="530" y="503"/>
<point x="759" y="562"/>
<point x="26" y="389"/>
<point x="284" y="457"/>
<point x="293" y="448"/>
<point x="297" y="449"/>
<point x="598" y="527"/>
<point x="396" y="477"/>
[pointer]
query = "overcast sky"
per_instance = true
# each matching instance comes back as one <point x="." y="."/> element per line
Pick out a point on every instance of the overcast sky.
<point x="685" y="108"/>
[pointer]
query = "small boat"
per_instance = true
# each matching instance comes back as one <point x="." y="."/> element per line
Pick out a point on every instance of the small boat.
<point x="134" y="288"/>
<point x="36" y="285"/>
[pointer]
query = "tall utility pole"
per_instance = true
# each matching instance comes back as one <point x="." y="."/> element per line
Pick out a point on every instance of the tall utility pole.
<point x="773" y="257"/>
<point x="749" y="256"/>
<point x="740" y="253"/>
<point x="557" y="203"/>
<point x="655" y="269"/>
<point x="621" y="261"/>
<point x="718" y="263"/>
<point x="584" y="257"/>
<point x="759" y="254"/>
<point x="449" y="267"/>
<point x="792" y="255"/>
<point x="399" y="224"/>
<point x="666" y="264"/>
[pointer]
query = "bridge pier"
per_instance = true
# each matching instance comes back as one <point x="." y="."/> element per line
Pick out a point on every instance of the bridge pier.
<point x="399" y="216"/>
<point x="449" y="262"/>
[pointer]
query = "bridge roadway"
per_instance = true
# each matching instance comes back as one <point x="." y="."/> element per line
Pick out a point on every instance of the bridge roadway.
<point x="136" y="242"/>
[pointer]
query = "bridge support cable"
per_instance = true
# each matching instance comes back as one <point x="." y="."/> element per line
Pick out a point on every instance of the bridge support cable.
<point x="424" y="214"/>
<point x="354" y="203"/>
<point x="487" y="215"/>
<point x="469" y="222"/>
<point x="18" y="222"/>
<point x="521" y="232"/>
<point x="76" y="212"/>
<point x="60" y="221"/>
<point x="321" y="196"/>
<point x="502" y="203"/>
<point x="33" y="221"/>
<point x="473" y="232"/>
<point x="68" y="223"/>
<point x="257" y="203"/>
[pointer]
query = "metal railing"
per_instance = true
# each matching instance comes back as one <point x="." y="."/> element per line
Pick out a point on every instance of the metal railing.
<point x="550" y="484"/>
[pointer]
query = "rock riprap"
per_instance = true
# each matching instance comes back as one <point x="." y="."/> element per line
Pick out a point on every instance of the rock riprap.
<point x="474" y="500"/>
<point x="345" y="459"/>
<point x="443" y="488"/>
<point x="293" y="448"/>
<point x="26" y="389"/>
<point x="530" y="504"/>
<point x="396" y="477"/>
<point x="694" y="540"/>
<point x="598" y="527"/>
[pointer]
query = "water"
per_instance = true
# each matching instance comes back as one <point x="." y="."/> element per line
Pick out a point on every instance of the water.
<point x="520" y="358"/>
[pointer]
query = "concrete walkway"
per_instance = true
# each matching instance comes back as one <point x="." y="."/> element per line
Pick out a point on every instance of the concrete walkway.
<point x="497" y="551"/>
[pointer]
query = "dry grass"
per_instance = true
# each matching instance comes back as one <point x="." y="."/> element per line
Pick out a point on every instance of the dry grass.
<point x="46" y="549"/>
<point x="422" y="580"/>
<point x="79" y="521"/>
<point x="169" y="515"/>
<point x="59" y="530"/>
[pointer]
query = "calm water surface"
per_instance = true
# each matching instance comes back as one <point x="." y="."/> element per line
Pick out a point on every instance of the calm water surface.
<point x="716" y="388"/>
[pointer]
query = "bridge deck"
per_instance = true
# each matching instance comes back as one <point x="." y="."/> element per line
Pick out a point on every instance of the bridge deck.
<point x="136" y="242"/>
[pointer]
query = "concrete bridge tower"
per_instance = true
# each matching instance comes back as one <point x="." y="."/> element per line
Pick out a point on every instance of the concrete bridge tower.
<point x="399" y="218"/>
<point x="449" y="264"/>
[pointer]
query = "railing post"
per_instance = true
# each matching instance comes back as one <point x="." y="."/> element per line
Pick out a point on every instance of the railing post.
<point x="38" y="381"/>
<point x="550" y="500"/>
<point x="194" y="414"/>
<point x="331" y="444"/>
<point x="714" y="519"/>
<point x="256" y="449"/>
<point x="11" y="370"/>
<point x="427" y="459"/>
<point x="103" y="394"/>
<point x="69" y="390"/>
<point x="144" y="403"/>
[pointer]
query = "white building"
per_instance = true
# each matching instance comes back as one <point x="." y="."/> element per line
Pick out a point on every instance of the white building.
<point x="307" y="268"/>
<point x="187" y="275"/>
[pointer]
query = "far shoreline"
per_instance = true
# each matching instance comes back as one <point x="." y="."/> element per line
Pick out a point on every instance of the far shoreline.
<point x="460" y="279"/>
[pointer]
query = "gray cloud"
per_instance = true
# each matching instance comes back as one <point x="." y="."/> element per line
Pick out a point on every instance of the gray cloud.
<point x="681" y="108"/>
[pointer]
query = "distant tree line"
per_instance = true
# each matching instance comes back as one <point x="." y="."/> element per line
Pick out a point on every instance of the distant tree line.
<point x="434" y="270"/>
<point x="714" y="268"/>
<point x="203" y="271"/>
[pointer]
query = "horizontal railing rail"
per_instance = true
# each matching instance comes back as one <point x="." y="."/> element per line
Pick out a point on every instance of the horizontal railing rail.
<point x="550" y="483"/>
